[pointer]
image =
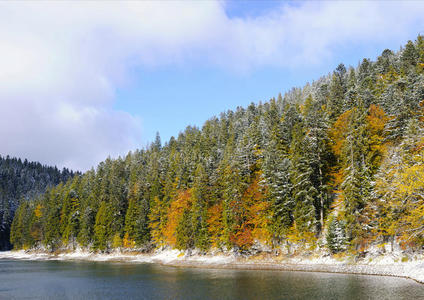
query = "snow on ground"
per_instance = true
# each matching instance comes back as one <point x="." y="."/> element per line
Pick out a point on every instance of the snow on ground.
<point x="23" y="255"/>
<point x="387" y="265"/>
<point x="166" y="256"/>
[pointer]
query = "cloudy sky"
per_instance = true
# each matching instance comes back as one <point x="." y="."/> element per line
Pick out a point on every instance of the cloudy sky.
<point x="80" y="81"/>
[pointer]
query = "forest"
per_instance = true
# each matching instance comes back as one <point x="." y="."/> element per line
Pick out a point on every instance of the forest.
<point x="21" y="181"/>
<point x="337" y="164"/>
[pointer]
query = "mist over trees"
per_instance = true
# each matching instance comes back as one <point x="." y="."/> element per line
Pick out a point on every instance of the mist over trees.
<point x="339" y="162"/>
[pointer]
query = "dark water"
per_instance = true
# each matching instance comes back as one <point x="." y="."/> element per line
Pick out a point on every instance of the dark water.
<point x="96" y="280"/>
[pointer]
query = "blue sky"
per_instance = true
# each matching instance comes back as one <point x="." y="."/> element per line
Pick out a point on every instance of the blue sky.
<point x="84" y="80"/>
<point x="173" y="97"/>
<point x="246" y="9"/>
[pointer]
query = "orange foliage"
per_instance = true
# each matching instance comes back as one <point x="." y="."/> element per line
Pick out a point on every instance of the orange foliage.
<point x="175" y="214"/>
<point x="303" y="238"/>
<point x="259" y="212"/>
<point x="38" y="211"/>
<point x="215" y="224"/>
<point x="338" y="137"/>
<point x="377" y="119"/>
<point x="422" y="111"/>
<point x="242" y="237"/>
<point x="338" y="176"/>
<point x="339" y="200"/>
<point x="338" y="132"/>
<point x="376" y="122"/>
<point x="127" y="242"/>
<point x="253" y="217"/>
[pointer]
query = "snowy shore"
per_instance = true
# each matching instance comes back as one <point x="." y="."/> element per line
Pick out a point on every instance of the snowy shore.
<point x="382" y="265"/>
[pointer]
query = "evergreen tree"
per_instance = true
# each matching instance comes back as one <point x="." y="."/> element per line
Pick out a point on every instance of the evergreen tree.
<point x="200" y="205"/>
<point x="336" y="235"/>
<point x="102" y="227"/>
<point x="21" y="181"/>
<point x="270" y="173"/>
<point x="304" y="192"/>
<point x="357" y="182"/>
<point x="337" y="92"/>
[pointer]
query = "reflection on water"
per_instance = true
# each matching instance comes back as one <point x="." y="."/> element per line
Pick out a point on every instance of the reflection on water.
<point x="106" y="280"/>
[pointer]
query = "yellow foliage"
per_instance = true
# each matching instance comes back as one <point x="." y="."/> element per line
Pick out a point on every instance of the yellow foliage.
<point x="376" y="123"/>
<point x="252" y="216"/>
<point x="117" y="241"/>
<point x="338" y="132"/>
<point x="338" y="201"/>
<point x="338" y="177"/>
<point x="156" y="223"/>
<point x="38" y="211"/>
<point x="215" y="224"/>
<point x="377" y="119"/>
<point x="411" y="180"/>
<point x="261" y="221"/>
<point x="127" y="242"/>
<point x="401" y="210"/>
<point x="258" y="210"/>
<point x="175" y="214"/>
<point x="304" y="239"/>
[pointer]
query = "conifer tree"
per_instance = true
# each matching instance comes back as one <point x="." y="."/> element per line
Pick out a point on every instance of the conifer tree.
<point x="337" y="92"/>
<point x="102" y="227"/>
<point x="200" y="205"/>
<point x="336" y="235"/>
<point x="284" y="171"/>
<point x="357" y="183"/>
<point x="304" y="192"/>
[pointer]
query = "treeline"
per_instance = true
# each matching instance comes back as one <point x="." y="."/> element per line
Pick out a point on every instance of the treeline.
<point x="339" y="162"/>
<point x="20" y="181"/>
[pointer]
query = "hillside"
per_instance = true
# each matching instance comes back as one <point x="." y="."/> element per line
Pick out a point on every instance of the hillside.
<point x="21" y="181"/>
<point x="337" y="164"/>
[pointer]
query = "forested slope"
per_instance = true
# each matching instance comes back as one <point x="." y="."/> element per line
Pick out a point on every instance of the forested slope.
<point x="338" y="163"/>
<point x="20" y="181"/>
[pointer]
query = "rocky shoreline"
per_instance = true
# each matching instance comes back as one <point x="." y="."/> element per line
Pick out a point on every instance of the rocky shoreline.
<point x="381" y="266"/>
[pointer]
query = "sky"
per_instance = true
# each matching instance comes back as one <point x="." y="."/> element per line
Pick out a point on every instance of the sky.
<point x="84" y="80"/>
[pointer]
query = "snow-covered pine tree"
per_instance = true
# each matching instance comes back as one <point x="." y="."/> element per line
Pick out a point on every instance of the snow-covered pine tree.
<point x="336" y="235"/>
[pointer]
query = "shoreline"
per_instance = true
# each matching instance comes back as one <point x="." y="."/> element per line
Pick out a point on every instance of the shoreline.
<point x="383" y="266"/>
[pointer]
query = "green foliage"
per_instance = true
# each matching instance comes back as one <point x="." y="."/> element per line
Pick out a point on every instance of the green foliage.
<point x="185" y="234"/>
<point x="136" y="219"/>
<point x="336" y="235"/>
<point x="266" y="174"/>
<point x="102" y="227"/>
<point x="19" y="182"/>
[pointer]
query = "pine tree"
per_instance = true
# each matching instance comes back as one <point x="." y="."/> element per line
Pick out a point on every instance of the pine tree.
<point x="336" y="235"/>
<point x="357" y="183"/>
<point x="268" y="173"/>
<point x="52" y="236"/>
<point x="184" y="232"/>
<point x="409" y="57"/>
<point x="136" y="220"/>
<point x="102" y="227"/>
<point x="199" y="212"/>
<point x="337" y="92"/>
<point x="277" y="178"/>
<point x="304" y="192"/>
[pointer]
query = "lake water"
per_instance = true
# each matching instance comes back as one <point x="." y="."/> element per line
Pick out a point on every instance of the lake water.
<point x="107" y="280"/>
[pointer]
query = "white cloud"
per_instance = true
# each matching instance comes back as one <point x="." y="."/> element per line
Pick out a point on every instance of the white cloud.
<point x="61" y="62"/>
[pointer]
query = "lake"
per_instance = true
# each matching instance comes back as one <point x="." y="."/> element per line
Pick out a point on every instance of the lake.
<point x="109" y="280"/>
